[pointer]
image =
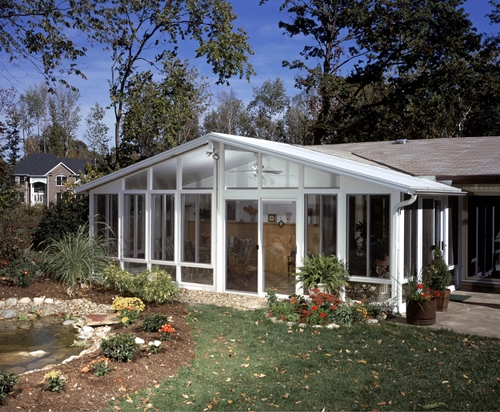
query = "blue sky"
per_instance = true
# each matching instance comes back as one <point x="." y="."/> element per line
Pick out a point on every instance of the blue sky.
<point x="271" y="47"/>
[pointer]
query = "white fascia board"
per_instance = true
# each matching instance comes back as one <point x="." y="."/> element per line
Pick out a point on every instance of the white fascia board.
<point x="59" y="164"/>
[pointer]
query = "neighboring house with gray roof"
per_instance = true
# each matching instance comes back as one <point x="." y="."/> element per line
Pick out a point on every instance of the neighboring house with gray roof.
<point x="41" y="177"/>
<point x="236" y="214"/>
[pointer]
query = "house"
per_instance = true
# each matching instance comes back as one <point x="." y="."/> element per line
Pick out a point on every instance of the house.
<point x="236" y="214"/>
<point x="41" y="177"/>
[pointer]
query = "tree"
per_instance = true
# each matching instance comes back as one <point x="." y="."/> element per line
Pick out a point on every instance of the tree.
<point x="41" y="32"/>
<point x="298" y="120"/>
<point x="230" y="116"/>
<point x="12" y="137"/>
<point x="33" y="107"/>
<point x="135" y="27"/>
<point x="96" y="133"/>
<point x="161" y="115"/>
<point x="268" y="108"/>
<point x="385" y="68"/>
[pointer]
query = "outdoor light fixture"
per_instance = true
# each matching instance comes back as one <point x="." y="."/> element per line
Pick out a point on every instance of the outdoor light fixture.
<point x="212" y="152"/>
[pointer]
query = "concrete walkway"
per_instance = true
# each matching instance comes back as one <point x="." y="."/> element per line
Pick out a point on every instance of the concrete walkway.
<point x="477" y="315"/>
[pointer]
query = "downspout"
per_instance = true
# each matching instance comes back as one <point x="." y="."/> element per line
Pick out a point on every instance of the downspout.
<point x="397" y="276"/>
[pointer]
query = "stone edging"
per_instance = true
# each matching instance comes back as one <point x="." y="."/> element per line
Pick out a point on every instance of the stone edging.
<point x="12" y="308"/>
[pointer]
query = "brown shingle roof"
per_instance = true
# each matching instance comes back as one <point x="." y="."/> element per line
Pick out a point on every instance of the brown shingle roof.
<point x="463" y="157"/>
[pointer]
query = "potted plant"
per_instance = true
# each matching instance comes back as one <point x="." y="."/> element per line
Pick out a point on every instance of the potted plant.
<point x="326" y="272"/>
<point x="439" y="279"/>
<point x="420" y="303"/>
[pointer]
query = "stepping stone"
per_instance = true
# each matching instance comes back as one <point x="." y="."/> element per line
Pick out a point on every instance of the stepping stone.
<point x="101" y="320"/>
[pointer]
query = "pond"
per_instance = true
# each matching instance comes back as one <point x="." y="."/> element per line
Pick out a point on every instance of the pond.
<point x="20" y="338"/>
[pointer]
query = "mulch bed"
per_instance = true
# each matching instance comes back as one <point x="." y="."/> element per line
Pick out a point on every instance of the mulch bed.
<point x="85" y="391"/>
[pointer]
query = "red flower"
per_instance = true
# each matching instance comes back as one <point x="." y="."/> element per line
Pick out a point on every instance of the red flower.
<point x="420" y="286"/>
<point x="314" y="308"/>
<point x="25" y="272"/>
<point x="424" y="295"/>
<point x="333" y="307"/>
<point x="293" y="300"/>
<point x="322" y="315"/>
<point x="5" y="263"/>
<point x="362" y="301"/>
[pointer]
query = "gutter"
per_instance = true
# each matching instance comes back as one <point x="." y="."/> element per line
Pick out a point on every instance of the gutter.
<point x="396" y="280"/>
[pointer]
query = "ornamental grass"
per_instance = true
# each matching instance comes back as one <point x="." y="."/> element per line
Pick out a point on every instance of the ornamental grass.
<point x="245" y="362"/>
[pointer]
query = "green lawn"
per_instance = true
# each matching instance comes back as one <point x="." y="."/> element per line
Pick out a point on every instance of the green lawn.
<point x="245" y="362"/>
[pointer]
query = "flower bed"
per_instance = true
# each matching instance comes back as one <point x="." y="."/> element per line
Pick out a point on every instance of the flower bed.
<point x="323" y="309"/>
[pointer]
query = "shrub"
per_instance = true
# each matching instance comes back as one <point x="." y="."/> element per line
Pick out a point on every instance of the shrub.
<point x="155" y="286"/>
<point x="319" y="269"/>
<point x="54" y="381"/>
<point x="100" y="367"/>
<point x="7" y="382"/>
<point x="153" y="323"/>
<point x="152" y="286"/>
<point x="75" y="257"/>
<point x="121" y="347"/>
<point x="128" y="309"/>
<point x="24" y="268"/>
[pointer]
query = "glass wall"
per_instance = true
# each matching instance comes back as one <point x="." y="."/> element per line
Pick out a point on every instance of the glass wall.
<point x="484" y="237"/>
<point x="321" y="224"/>
<point x="368" y="228"/>
<point x="106" y="221"/>
<point x="241" y="246"/>
<point x="162" y="227"/>
<point x="134" y="234"/>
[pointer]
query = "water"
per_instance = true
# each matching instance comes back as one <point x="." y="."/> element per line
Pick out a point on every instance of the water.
<point x="18" y="338"/>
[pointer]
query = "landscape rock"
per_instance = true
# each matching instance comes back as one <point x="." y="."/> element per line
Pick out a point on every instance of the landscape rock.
<point x="10" y="302"/>
<point x="9" y="314"/>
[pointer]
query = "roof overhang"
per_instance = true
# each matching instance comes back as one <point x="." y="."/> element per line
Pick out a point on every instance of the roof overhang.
<point x="371" y="173"/>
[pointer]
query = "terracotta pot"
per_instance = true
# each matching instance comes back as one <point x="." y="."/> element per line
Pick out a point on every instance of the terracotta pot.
<point x="443" y="300"/>
<point x="421" y="313"/>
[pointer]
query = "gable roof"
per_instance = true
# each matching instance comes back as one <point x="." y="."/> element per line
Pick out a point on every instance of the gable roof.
<point x="459" y="159"/>
<point x="354" y="167"/>
<point x="39" y="164"/>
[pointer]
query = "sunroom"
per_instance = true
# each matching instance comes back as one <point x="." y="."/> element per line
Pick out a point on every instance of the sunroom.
<point x="236" y="214"/>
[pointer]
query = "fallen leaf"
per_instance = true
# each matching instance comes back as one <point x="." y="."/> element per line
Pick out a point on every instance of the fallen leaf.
<point x="361" y="361"/>
<point x="245" y="365"/>
<point x="185" y="396"/>
<point x="123" y="389"/>
<point x="286" y="395"/>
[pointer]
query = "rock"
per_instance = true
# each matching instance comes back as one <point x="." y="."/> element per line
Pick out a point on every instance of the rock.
<point x="372" y="321"/>
<point x="139" y="341"/>
<point x="49" y="301"/>
<point x="332" y="326"/>
<point x="9" y="314"/>
<point x="11" y="302"/>
<point x="69" y="322"/>
<point x="101" y="319"/>
<point x="86" y="333"/>
<point x="37" y="353"/>
<point x="38" y="301"/>
<point x="24" y="301"/>
<point x="2" y="304"/>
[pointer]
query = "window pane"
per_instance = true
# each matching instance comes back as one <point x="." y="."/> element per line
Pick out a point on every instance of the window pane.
<point x="368" y="235"/>
<point x="134" y="231"/>
<point x="411" y="233"/>
<point x="321" y="224"/>
<point x="137" y="182"/>
<point x="357" y="234"/>
<point x="278" y="172"/>
<point x="240" y="168"/>
<point x="314" y="178"/>
<point x="165" y="175"/>
<point x="202" y="276"/>
<point x="106" y="211"/>
<point x="197" y="170"/>
<point x="162" y="227"/>
<point x="196" y="229"/>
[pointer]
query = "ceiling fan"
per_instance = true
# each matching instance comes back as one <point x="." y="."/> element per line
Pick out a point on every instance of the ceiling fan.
<point x="254" y="169"/>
